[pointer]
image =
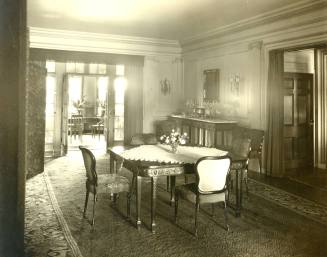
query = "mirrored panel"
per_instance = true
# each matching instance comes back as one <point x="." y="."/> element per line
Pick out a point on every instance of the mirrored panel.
<point x="211" y="85"/>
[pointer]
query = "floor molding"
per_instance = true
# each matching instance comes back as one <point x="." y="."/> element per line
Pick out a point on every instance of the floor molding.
<point x="70" y="240"/>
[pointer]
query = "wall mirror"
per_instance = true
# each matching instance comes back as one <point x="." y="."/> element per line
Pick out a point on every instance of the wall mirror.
<point x="211" y="85"/>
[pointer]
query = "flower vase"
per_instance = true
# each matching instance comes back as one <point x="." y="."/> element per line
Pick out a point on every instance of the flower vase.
<point x="174" y="148"/>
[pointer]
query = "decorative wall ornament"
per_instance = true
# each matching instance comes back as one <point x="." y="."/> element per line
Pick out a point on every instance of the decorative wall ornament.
<point x="165" y="86"/>
<point x="234" y="81"/>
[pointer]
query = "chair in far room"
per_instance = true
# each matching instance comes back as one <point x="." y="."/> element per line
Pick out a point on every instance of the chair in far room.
<point x="112" y="184"/>
<point x="76" y="125"/>
<point x="210" y="187"/>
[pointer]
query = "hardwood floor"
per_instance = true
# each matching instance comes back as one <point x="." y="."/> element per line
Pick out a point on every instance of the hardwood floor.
<point x="308" y="183"/>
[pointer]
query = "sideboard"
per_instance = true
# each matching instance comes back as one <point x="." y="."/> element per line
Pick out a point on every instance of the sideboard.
<point x="206" y="132"/>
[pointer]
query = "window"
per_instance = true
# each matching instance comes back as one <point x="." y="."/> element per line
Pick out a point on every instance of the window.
<point x="50" y="113"/>
<point x="75" y="93"/>
<point x="97" y="68"/>
<point x="102" y="95"/>
<point x="72" y="67"/>
<point x="50" y="107"/>
<point x="51" y="66"/>
<point x="120" y="87"/>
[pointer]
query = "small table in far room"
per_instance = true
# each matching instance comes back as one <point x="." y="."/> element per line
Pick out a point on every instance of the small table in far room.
<point x="154" y="161"/>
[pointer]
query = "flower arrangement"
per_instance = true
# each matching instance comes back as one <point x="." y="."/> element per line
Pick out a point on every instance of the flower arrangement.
<point x="174" y="139"/>
<point x="79" y="103"/>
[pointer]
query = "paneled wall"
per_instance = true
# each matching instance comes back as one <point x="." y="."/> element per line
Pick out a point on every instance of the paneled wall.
<point x="236" y="100"/>
<point x="162" y="89"/>
<point x="242" y="50"/>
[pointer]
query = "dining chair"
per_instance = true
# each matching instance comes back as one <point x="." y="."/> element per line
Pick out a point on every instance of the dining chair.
<point x="76" y="125"/>
<point x="257" y="137"/>
<point x="241" y="147"/>
<point x="108" y="183"/>
<point x="210" y="187"/>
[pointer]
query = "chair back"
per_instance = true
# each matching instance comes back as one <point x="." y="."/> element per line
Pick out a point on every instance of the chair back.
<point x="77" y="119"/>
<point x="89" y="163"/>
<point x="241" y="146"/>
<point x="143" y="139"/>
<point x="211" y="173"/>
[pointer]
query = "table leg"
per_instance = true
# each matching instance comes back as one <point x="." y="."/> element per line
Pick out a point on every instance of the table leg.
<point x="119" y="165"/>
<point x="172" y="189"/>
<point x="238" y="188"/>
<point x="138" y="201"/>
<point x="112" y="163"/>
<point x="153" y="203"/>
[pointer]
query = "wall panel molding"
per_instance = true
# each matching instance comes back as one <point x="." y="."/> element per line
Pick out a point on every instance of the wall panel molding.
<point x="105" y="43"/>
<point x="295" y="21"/>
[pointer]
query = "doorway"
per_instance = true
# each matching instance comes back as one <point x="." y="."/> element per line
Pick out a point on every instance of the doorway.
<point x="86" y="110"/>
<point x="304" y="117"/>
<point x="298" y="120"/>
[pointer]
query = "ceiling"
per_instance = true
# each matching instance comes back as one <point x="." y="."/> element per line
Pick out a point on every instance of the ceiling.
<point x="165" y="19"/>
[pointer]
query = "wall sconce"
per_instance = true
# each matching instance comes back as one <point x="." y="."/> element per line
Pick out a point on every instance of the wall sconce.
<point x="165" y="86"/>
<point x="234" y="81"/>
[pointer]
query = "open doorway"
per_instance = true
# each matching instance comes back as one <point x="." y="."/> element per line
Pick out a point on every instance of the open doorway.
<point x="87" y="104"/>
<point x="304" y="147"/>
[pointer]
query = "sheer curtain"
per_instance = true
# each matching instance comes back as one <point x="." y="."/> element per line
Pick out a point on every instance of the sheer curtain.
<point x="274" y="148"/>
<point x="133" y="101"/>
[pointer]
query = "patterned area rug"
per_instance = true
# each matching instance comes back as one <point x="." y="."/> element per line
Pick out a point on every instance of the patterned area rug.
<point x="270" y="224"/>
<point x="44" y="234"/>
<point x="293" y="202"/>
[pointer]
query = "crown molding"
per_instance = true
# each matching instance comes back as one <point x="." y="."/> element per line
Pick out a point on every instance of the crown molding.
<point x="259" y="20"/>
<point x="105" y="43"/>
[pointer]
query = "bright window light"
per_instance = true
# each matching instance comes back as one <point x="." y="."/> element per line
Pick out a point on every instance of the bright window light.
<point x="50" y="93"/>
<point x="120" y="86"/>
<point x="75" y="88"/>
<point x="51" y="66"/>
<point x="102" y="88"/>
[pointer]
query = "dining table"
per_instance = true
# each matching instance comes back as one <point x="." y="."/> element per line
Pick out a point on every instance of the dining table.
<point x="154" y="161"/>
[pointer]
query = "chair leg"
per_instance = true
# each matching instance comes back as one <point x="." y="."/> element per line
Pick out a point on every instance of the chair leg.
<point x="94" y="201"/>
<point x="129" y="205"/>
<point x="176" y="206"/>
<point x="185" y="179"/>
<point x="168" y="183"/>
<point x="114" y="198"/>
<point x="197" y="208"/>
<point x="246" y="183"/>
<point x="225" y="214"/>
<point x="86" y="201"/>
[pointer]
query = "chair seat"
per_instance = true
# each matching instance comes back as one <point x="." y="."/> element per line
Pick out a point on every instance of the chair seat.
<point x="236" y="165"/>
<point x="189" y="192"/>
<point x="113" y="183"/>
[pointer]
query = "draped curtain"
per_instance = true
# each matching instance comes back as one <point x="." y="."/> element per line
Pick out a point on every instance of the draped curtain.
<point x="274" y="147"/>
<point x="321" y="107"/>
<point x="133" y="102"/>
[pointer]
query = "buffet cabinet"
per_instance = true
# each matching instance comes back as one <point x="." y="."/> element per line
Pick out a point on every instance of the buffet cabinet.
<point x="205" y="132"/>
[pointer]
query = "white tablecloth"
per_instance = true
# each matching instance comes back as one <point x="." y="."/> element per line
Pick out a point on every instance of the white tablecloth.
<point x="162" y="153"/>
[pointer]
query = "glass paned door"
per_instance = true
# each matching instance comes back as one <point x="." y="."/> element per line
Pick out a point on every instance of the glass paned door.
<point x="120" y="85"/>
<point x="50" y="115"/>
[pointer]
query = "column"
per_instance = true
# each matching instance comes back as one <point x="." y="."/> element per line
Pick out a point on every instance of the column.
<point x="13" y="56"/>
